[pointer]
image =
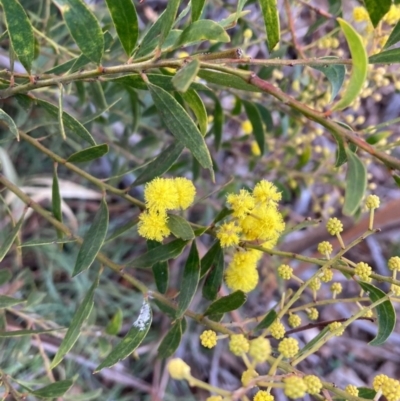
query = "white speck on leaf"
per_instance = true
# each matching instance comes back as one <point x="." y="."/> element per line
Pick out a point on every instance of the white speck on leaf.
<point x="144" y="316"/>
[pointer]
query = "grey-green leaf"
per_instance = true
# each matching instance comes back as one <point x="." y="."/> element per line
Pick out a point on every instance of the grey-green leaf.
<point x="186" y="75"/>
<point x="171" y="341"/>
<point x="180" y="227"/>
<point x="70" y="122"/>
<point x="190" y="280"/>
<point x="56" y="199"/>
<point x="181" y="125"/>
<point x="270" y="13"/>
<point x="84" y="28"/>
<point x="161" y="164"/>
<point x="115" y="324"/>
<point x="123" y="14"/>
<point x="377" y="9"/>
<point x="93" y="240"/>
<point x="20" y="32"/>
<point x="5" y="275"/>
<point x="53" y="390"/>
<point x="356" y="183"/>
<point x="88" y="154"/>
<point x="132" y="340"/>
<point x="214" y="277"/>
<point x="192" y="98"/>
<point x="268" y="319"/>
<point x="23" y="333"/>
<point x="203" y="30"/>
<point x="159" y="254"/>
<point x="335" y="75"/>
<point x="386" y="57"/>
<point x="385" y="313"/>
<point x="210" y="258"/>
<point x="49" y="241"/>
<point x="227" y="80"/>
<point x="6" y="302"/>
<point x="197" y="9"/>
<point x="74" y="330"/>
<point x="258" y="128"/>
<point x="10" y="122"/>
<point x="226" y="304"/>
<point x="168" y="19"/>
<point x="160" y="270"/>
<point x="394" y="36"/>
<point x="10" y="238"/>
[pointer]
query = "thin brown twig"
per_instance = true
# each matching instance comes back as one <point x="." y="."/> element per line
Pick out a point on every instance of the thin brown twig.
<point x="292" y="30"/>
<point x="318" y="10"/>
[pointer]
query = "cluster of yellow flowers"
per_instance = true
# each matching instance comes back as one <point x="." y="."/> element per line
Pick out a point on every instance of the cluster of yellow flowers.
<point x="255" y="218"/>
<point x="161" y="195"/>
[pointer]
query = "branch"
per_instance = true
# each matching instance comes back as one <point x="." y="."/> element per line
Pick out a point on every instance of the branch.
<point x="321" y="118"/>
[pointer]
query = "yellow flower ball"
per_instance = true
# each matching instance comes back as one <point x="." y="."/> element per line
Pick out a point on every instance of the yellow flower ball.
<point x="260" y="349"/>
<point x="314" y="385"/>
<point x="238" y="344"/>
<point x="263" y="395"/>
<point x="294" y="320"/>
<point x="352" y="390"/>
<point x="338" y="327"/>
<point x="228" y="234"/>
<point x="208" y="338"/>
<point x="178" y="369"/>
<point x="288" y="347"/>
<point x="153" y="225"/>
<point x="277" y="329"/>
<point x="247" y="376"/>
<point x="334" y="226"/>
<point x="186" y="192"/>
<point x="295" y="387"/>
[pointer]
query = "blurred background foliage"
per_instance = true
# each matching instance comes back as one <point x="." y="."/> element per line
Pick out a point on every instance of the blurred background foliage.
<point x="299" y="157"/>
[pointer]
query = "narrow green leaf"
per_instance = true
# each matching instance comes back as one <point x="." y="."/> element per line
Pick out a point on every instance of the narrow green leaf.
<point x="226" y="304"/>
<point x="50" y="241"/>
<point x="132" y="340"/>
<point x="10" y="238"/>
<point x="270" y="13"/>
<point x="210" y="258"/>
<point x="226" y="80"/>
<point x="258" y="128"/>
<point x="214" y="277"/>
<point x="168" y="20"/>
<point x="203" y="30"/>
<point x="159" y="254"/>
<point x="356" y="183"/>
<point x="5" y="276"/>
<point x="365" y="392"/>
<point x="377" y="9"/>
<point x="314" y="341"/>
<point x="160" y="270"/>
<point x="379" y="136"/>
<point x="53" y="390"/>
<point x="180" y="227"/>
<point x="394" y="36"/>
<point x="20" y="32"/>
<point x="218" y="123"/>
<point x="115" y="324"/>
<point x="268" y="319"/>
<point x="359" y="67"/>
<point x="186" y="75"/>
<point x="192" y="98"/>
<point x="88" y="154"/>
<point x="396" y="179"/>
<point x="161" y="164"/>
<point x="84" y="28"/>
<point x="60" y="111"/>
<point x="266" y="117"/>
<point x="70" y="122"/>
<point x="181" y="125"/>
<point x="386" y="57"/>
<point x="197" y="9"/>
<point x="149" y="41"/>
<point x="135" y="81"/>
<point x="56" y="200"/>
<point x="190" y="280"/>
<point x="23" y="333"/>
<point x="385" y="313"/>
<point x="10" y="122"/>
<point x="341" y="156"/>
<point x="123" y="14"/>
<point x="335" y="75"/>
<point x="74" y="330"/>
<point x="6" y="302"/>
<point x="93" y="240"/>
<point x="171" y="341"/>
